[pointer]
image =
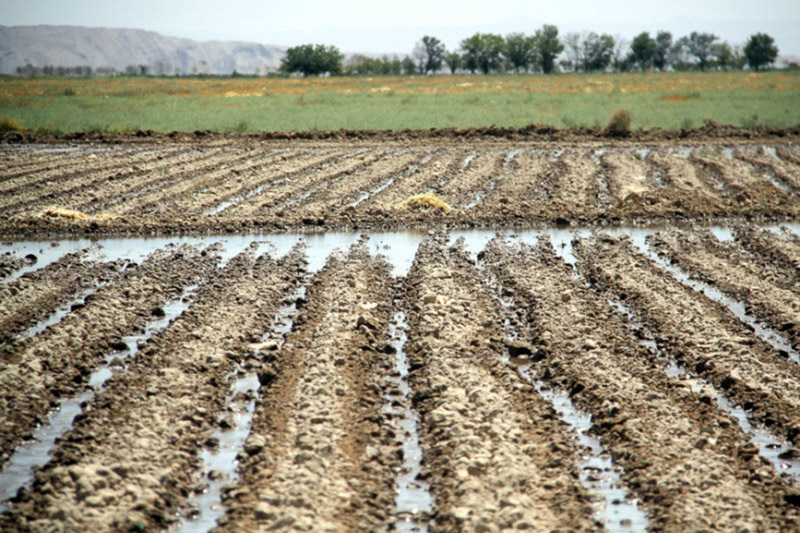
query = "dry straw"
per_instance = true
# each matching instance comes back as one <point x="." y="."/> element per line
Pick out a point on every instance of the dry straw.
<point x="60" y="212"/>
<point x="427" y="200"/>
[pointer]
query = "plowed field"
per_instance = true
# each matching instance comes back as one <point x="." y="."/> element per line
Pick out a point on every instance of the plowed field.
<point x="624" y="358"/>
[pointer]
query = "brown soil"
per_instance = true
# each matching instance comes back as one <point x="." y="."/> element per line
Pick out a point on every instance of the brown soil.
<point x="499" y="458"/>
<point x="131" y="459"/>
<point x="32" y="297"/>
<point x="320" y="456"/>
<point x="701" y="334"/>
<point x="728" y="268"/>
<point x="249" y="184"/>
<point x="585" y="349"/>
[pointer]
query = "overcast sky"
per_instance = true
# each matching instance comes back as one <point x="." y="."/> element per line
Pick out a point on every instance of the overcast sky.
<point x="375" y="26"/>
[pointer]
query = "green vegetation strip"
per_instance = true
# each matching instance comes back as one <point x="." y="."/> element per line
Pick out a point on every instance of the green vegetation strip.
<point x="655" y="100"/>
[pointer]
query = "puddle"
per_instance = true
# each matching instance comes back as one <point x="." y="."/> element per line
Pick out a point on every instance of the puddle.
<point x="619" y="512"/>
<point x="467" y="160"/>
<point x="18" y="472"/>
<point x="555" y="155"/>
<point x="736" y="307"/>
<point x="413" y="501"/>
<point x="770" y="446"/>
<point x="776" y="182"/>
<point x="722" y="233"/>
<point x="219" y="464"/>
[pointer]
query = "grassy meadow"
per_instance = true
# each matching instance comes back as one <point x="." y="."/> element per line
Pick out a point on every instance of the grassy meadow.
<point x="666" y="100"/>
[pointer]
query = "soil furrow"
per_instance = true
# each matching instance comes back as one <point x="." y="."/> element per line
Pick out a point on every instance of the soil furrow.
<point x="319" y="456"/>
<point x="700" y="333"/>
<point x="486" y="165"/>
<point x="294" y="203"/>
<point x="575" y="194"/>
<point x="648" y="422"/>
<point x="748" y="191"/>
<point x="260" y="172"/>
<point x="49" y="172"/>
<point x="156" y="200"/>
<point x="521" y="187"/>
<point x="33" y="296"/>
<point x="90" y="187"/>
<point x="65" y="354"/>
<point x="778" y="254"/>
<point x="294" y="177"/>
<point x="702" y="256"/>
<point x="131" y="459"/>
<point x="337" y="200"/>
<point x="497" y="455"/>
<point x="777" y="170"/>
<point x="431" y="169"/>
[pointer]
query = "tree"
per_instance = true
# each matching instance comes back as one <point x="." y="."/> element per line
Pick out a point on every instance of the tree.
<point x="760" y="51"/>
<point x="597" y="51"/>
<point x="724" y="55"/>
<point x="643" y="50"/>
<point x="701" y="46"/>
<point x="572" y="42"/>
<point x="661" y="60"/>
<point x="409" y="67"/>
<point x="622" y="61"/>
<point x="519" y="51"/>
<point x="483" y="51"/>
<point x="312" y="60"/>
<point x="430" y="54"/>
<point x="547" y="47"/>
<point x="453" y="61"/>
<point x="679" y="54"/>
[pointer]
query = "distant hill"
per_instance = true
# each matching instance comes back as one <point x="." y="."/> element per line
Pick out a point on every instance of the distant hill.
<point x="72" y="46"/>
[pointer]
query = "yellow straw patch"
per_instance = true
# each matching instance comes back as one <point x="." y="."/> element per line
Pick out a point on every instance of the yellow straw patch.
<point x="60" y="212"/>
<point x="424" y="201"/>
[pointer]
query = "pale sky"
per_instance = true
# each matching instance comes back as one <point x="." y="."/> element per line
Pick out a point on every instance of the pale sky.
<point x="373" y="26"/>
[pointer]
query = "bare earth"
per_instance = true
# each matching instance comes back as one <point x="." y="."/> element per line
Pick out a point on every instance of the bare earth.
<point x="488" y="331"/>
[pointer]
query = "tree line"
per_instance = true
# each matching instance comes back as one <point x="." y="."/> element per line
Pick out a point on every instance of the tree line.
<point x="544" y="52"/>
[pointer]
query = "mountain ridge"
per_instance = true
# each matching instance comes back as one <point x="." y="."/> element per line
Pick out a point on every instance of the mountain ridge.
<point x="121" y="48"/>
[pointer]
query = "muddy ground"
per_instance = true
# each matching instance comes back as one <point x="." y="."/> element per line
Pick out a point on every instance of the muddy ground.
<point x="248" y="184"/>
<point x="624" y="379"/>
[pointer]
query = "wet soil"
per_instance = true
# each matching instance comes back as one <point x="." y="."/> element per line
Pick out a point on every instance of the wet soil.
<point x="580" y="345"/>
<point x="247" y="184"/>
<point x="131" y="458"/>
<point x="497" y="454"/>
<point x="674" y="388"/>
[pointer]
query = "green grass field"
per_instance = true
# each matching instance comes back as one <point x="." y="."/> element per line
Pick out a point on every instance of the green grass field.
<point x="665" y="100"/>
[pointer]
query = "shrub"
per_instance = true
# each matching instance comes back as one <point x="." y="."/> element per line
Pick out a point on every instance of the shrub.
<point x="619" y="125"/>
<point x="7" y="124"/>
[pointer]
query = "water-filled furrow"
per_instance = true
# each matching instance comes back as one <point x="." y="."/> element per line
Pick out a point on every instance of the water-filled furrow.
<point x="19" y="470"/>
<point x="413" y="501"/>
<point x="221" y="462"/>
<point x="492" y="183"/>
<point x="58" y="315"/>
<point x="736" y="307"/>
<point x="412" y="169"/>
<point x="776" y="450"/>
<point x="618" y="511"/>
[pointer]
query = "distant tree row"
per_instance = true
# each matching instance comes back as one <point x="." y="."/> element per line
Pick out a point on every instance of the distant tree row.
<point x="544" y="52"/>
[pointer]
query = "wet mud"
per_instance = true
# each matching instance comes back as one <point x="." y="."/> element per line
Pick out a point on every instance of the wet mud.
<point x="245" y="185"/>
<point x="648" y="422"/>
<point x="496" y="453"/>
